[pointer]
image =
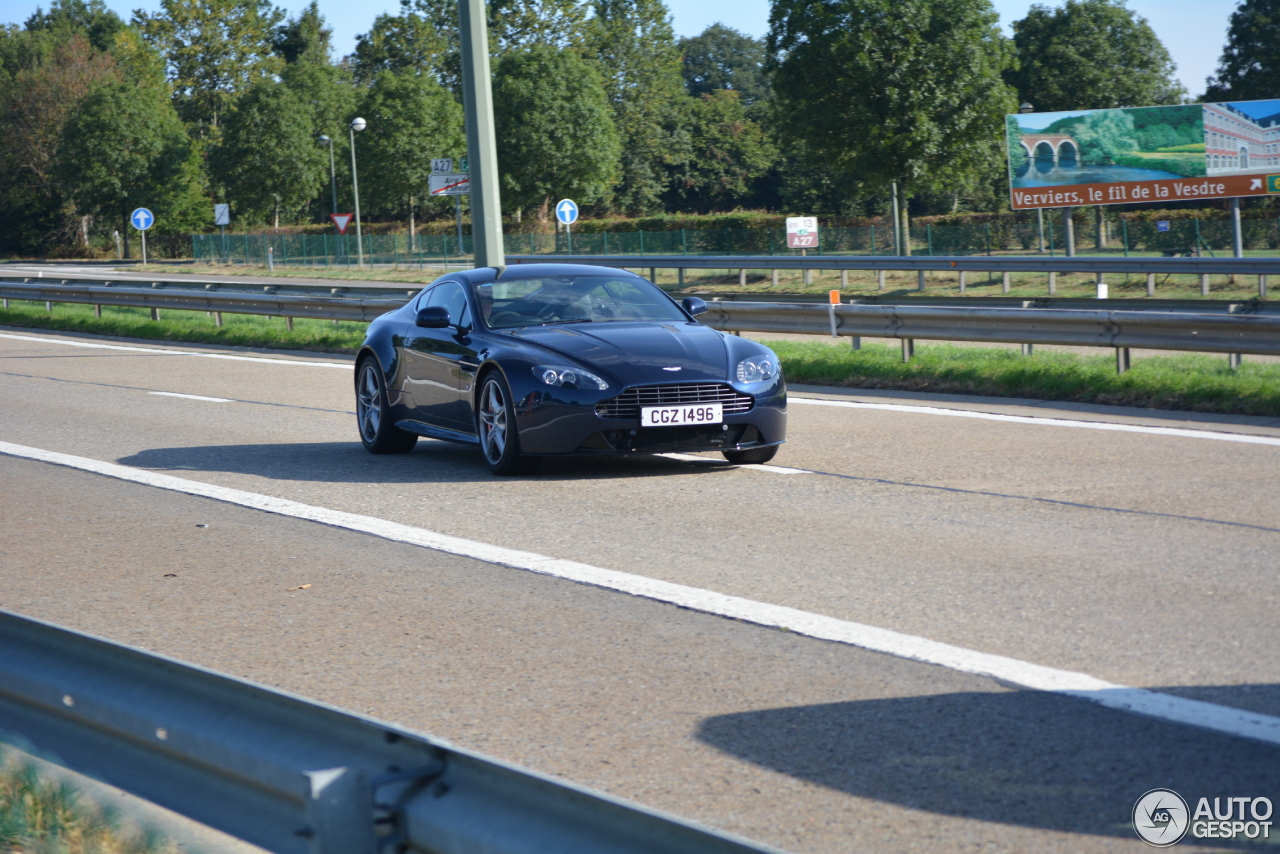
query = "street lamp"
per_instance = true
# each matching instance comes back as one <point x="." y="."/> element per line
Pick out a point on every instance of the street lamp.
<point x="1026" y="108"/>
<point x="333" y="178"/>
<point x="356" y="124"/>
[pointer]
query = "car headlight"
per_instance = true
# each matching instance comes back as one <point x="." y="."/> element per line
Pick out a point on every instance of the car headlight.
<point x="758" y="369"/>
<point x="561" y="376"/>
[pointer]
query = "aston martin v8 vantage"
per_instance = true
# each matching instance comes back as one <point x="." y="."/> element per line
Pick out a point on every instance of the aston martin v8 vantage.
<point x="539" y="360"/>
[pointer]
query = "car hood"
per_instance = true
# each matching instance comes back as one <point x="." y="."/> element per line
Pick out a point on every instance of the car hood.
<point x="639" y="352"/>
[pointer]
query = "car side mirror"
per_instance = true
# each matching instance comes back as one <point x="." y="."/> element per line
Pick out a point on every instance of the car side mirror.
<point x="432" y="317"/>
<point x="694" y="305"/>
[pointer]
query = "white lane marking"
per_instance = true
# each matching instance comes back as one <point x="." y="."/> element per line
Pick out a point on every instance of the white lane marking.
<point x="1045" y="422"/>
<point x="1197" y="713"/>
<point x="160" y="351"/>
<point x="191" y="396"/>
<point x="694" y="458"/>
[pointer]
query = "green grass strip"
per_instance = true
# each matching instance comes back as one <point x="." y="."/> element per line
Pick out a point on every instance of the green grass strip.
<point x="1184" y="381"/>
<point x="42" y="816"/>
<point x="1179" y="381"/>
<point x="243" y="330"/>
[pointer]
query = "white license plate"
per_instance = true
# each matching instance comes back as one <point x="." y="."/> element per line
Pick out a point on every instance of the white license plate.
<point x="694" y="413"/>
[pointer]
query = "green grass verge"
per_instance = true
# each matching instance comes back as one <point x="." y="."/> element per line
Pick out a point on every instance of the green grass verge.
<point x="244" y="330"/>
<point x="1184" y="381"/>
<point x="39" y="815"/>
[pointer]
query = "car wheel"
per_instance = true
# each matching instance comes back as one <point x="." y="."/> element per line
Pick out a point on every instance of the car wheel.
<point x="373" y="414"/>
<point x="752" y="456"/>
<point x="496" y="427"/>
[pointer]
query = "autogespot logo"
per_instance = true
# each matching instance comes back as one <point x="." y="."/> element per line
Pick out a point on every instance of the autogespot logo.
<point x="1160" y="818"/>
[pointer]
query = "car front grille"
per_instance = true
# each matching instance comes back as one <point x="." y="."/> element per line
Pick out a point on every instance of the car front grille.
<point x="627" y="404"/>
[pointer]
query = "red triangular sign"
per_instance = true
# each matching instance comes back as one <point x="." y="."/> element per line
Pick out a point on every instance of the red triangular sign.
<point x="341" y="221"/>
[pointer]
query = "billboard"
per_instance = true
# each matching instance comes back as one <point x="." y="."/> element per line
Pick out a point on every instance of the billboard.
<point x="1144" y="154"/>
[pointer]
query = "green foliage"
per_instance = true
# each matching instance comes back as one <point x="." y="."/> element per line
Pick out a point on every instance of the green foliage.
<point x="729" y="153"/>
<point x="1105" y="135"/>
<point x="34" y="109"/>
<point x="556" y="135"/>
<point x="216" y="49"/>
<point x="411" y="120"/>
<point x="405" y="44"/>
<point x="892" y="90"/>
<point x="1250" y="65"/>
<point x="267" y="161"/>
<point x="1091" y="55"/>
<point x="67" y="18"/>
<point x="720" y="57"/>
<point x="125" y="147"/>
<point x="632" y="47"/>
<point x="1184" y="381"/>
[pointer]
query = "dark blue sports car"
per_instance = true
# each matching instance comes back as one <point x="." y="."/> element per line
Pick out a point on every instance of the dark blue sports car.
<point x="538" y="360"/>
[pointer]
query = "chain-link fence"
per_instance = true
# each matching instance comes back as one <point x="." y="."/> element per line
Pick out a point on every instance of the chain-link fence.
<point x="1175" y="237"/>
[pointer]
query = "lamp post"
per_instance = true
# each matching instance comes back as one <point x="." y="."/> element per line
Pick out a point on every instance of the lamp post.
<point x="333" y="183"/>
<point x="356" y="124"/>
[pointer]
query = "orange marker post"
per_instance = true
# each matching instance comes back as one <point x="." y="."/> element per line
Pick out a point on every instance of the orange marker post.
<point x="835" y="301"/>
<point x="835" y="297"/>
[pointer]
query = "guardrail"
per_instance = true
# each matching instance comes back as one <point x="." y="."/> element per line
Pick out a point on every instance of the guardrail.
<point x="1239" y="330"/>
<point x="294" y="776"/>
<point x="961" y="265"/>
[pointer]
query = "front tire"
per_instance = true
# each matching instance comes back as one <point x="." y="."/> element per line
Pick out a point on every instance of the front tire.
<point x="751" y="456"/>
<point x="373" y="414"/>
<point x="496" y="427"/>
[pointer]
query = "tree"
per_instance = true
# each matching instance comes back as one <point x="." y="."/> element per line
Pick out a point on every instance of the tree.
<point x="1105" y="135"/>
<point x="92" y="20"/>
<point x="728" y="154"/>
<point x="631" y="45"/>
<point x="267" y="161"/>
<point x="122" y="148"/>
<point x="892" y="90"/>
<point x="412" y="119"/>
<point x="35" y="105"/>
<point x="404" y="44"/>
<point x="216" y="50"/>
<point x="1091" y="55"/>
<point x="555" y="130"/>
<point x="1250" y="65"/>
<point x="720" y="57"/>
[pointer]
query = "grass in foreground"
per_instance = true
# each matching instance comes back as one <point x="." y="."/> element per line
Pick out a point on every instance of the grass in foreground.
<point x="244" y="330"/>
<point x="1183" y="381"/>
<point x="39" y="816"/>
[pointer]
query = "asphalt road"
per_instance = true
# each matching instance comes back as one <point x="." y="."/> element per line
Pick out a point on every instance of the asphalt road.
<point x="1142" y="557"/>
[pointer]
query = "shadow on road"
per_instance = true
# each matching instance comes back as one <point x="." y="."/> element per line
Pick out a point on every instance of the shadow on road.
<point x="430" y="462"/>
<point x="1020" y="757"/>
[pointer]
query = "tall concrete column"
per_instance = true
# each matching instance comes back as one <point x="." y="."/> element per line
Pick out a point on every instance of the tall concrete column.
<point x="482" y="139"/>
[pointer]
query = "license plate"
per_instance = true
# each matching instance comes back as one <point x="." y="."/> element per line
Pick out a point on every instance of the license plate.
<point x="666" y="416"/>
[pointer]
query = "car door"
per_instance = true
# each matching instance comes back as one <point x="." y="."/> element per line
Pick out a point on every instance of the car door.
<point x="440" y="364"/>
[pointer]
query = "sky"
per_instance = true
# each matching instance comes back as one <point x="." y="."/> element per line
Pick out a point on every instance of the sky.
<point x="1194" y="31"/>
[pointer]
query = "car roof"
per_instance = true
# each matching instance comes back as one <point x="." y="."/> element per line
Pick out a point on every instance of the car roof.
<point x="481" y="275"/>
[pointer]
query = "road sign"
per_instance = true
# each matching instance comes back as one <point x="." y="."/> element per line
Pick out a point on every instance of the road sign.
<point x="341" y="221"/>
<point x="441" y="164"/>
<point x="567" y="211"/>
<point x="142" y="219"/>
<point x="222" y="214"/>
<point x="463" y="165"/>
<point x="455" y="184"/>
<point x="1162" y="225"/>
<point x="802" y="232"/>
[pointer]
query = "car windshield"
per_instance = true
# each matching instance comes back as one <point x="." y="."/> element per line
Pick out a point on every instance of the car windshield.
<point x="511" y="303"/>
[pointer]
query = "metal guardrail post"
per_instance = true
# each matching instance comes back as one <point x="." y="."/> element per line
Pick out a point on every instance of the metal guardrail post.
<point x="294" y="776"/>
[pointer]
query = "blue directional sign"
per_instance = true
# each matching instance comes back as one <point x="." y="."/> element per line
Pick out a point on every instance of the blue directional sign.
<point x="142" y="219"/>
<point x="567" y="211"/>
